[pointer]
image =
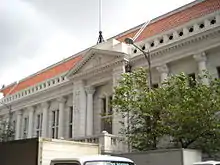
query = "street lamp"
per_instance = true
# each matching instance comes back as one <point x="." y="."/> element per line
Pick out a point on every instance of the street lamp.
<point x="130" y="41"/>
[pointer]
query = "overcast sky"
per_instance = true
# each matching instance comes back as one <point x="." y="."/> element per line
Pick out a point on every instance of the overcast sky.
<point x="37" y="33"/>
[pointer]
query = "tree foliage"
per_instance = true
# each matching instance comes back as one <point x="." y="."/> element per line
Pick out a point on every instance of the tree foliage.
<point x="184" y="111"/>
<point x="6" y="131"/>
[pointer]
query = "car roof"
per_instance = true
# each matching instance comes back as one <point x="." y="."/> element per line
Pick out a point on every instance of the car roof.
<point x="207" y="162"/>
<point x="82" y="159"/>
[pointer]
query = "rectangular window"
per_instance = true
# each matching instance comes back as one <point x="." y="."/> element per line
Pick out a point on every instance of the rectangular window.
<point x="14" y="128"/>
<point x="110" y="106"/>
<point x="53" y="118"/>
<point x="104" y="106"/>
<point x="192" y="79"/>
<point x="25" y="129"/>
<point x="70" y="122"/>
<point x="155" y="85"/>
<point x="107" y="111"/>
<point x="39" y="124"/>
<point x="218" y="71"/>
<point x="55" y="123"/>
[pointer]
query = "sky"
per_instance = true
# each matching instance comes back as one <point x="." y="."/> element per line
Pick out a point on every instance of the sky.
<point x="35" y="34"/>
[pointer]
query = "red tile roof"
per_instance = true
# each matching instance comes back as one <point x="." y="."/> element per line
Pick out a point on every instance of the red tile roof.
<point x="156" y="27"/>
<point x="42" y="76"/>
<point x="179" y="18"/>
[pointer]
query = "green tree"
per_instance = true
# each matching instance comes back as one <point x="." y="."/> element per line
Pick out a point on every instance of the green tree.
<point x="192" y="112"/>
<point x="6" y="131"/>
<point x="182" y="110"/>
<point x="141" y="107"/>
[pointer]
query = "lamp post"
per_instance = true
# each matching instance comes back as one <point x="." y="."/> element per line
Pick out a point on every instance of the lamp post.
<point x="130" y="41"/>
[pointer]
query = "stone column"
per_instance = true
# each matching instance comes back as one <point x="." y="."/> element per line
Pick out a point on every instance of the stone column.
<point x="61" y="101"/>
<point x="89" y="116"/>
<point x="117" y="117"/>
<point x="163" y="70"/>
<point x="80" y="108"/>
<point x="201" y="59"/>
<point x="45" y="107"/>
<point x="75" y="113"/>
<point x="18" y="125"/>
<point x="30" y="122"/>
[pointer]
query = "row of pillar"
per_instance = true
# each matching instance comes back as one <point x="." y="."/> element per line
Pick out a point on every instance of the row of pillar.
<point x="85" y="105"/>
<point x="45" y="126"/>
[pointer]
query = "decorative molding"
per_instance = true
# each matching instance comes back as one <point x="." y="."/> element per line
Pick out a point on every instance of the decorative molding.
<point x="185" y="29"/>
<point x="61" y="99"/>
<point x="42" y="86"/>
<point x="159" y="54"/>
<point x="19" y="112"/>
<point x="79" y="83"/>
<point x="31" y="108"/>
<point x="45" y="105"/>
<point x="90" y="90"/>
<point x="89" y="55"/>
<point x="37" y="99"/>
<point x="200" y="57"/>
<point x="97" y="60"/>
<point x="99" y="70"/>
<point x="162" y="68"/>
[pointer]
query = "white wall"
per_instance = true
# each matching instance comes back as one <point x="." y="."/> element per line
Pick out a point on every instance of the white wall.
<point x="213" y="60"/>
<point x="187" y="65"/>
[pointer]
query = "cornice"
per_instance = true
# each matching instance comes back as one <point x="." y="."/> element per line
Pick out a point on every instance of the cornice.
<point x="168" y="48"/>
<point x="101" y="69"/>
<point x="41" y="97"/>
<point x="195" y="23"/>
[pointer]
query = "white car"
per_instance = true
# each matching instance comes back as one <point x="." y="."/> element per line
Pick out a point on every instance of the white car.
<point x="93" y="160"/>
<point x="211" y="162"/>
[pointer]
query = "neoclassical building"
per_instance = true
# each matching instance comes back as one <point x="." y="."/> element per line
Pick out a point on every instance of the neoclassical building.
<point x="66" y="100"/>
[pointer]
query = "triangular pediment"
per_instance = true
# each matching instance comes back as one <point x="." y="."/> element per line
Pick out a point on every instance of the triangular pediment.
<point x="95" y="58"/>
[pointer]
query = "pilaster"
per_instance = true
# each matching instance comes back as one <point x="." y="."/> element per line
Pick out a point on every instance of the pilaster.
<point x="18" y="124"/>
<point x="163" y="70"/>
<point x="30" y="121"/>
<point x="117" y="117"/>
<point x="89" y="116"/>
<point x="201" y="59"/>
<point x="45" y="107"/>
<point x="76" y="121"/>
<point x="117" y="72"/>
<point x="61" y="101"/>
<point x="79" y="108"/>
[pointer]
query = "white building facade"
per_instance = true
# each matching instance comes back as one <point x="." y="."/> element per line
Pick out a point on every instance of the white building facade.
<point x="74" y="102"/>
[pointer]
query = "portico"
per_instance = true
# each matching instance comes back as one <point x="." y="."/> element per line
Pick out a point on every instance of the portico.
<point x="89" y="78"/>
